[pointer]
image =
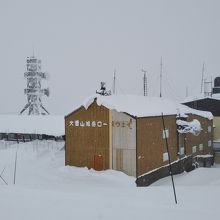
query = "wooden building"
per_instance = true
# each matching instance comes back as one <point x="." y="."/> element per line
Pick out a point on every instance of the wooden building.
<point x="209" y="101"/>
<point x="211" y="104"/>
<point x="126" y="133"/>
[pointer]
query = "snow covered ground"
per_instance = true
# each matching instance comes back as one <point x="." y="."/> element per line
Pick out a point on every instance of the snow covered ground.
<point x="46" y="189"/>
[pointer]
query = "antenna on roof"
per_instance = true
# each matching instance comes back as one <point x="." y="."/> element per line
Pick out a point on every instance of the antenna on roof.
<point x="114" y="82"/>
<point x="145" y="81"/>
<point x="161" y="68"/>
<point x="207" y="87"/>
<point x="202" y="81"/>
<point x="187" y="91"/>
<point x="33" y="49"/>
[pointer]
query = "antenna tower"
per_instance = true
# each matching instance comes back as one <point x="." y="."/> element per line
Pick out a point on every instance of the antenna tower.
<point x="207" y="87"/>
<point x="34" y="91"/>
<point x="114" y="83"/>
<point x="202" y="81"/>
<point x="145" y="82"/>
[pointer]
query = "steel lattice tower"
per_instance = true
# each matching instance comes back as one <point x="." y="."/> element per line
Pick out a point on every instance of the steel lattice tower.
<point x="34" y="91"/>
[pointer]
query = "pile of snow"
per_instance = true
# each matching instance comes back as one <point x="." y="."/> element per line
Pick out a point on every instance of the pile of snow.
<point x="142" y="106"/>
<point x="193" y="127"/>
<point x="45" y="189"/>
<point x="42" y="164"/>
<point x="187" y="110"/>
<point x="29" y="124"/>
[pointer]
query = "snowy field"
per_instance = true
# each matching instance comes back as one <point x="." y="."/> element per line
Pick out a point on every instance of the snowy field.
<point x="46" y="189"/>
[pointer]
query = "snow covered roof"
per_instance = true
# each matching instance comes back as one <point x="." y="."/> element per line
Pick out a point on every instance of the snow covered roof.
<point x="28" y="124"/>
<point x="201" y="96"/>
<point x="142" y="106"/>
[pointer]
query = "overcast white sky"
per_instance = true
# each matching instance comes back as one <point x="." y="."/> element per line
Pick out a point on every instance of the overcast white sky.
<point x="82" y="42"/>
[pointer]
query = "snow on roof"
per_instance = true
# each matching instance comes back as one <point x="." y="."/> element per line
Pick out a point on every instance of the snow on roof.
<point x="28" y="124"/>
<point x="142" y="106"/>
<point x="187" y="110"/>
<point x="201" y="96"/>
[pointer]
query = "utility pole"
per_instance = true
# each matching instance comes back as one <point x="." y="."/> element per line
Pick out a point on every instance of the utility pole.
<point x="161" y="68"/>
<point x="170" y="166"/>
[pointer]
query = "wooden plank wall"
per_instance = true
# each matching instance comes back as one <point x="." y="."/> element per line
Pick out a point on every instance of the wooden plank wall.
<point x="216" y="122"/>
<point x="124" y="143"/>
<point x="150" y="143"/>
<point x="89" y="138"/>
<point x="202" y="139"/>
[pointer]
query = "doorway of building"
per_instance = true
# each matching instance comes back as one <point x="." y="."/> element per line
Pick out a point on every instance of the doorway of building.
<point x="98" y="162"/>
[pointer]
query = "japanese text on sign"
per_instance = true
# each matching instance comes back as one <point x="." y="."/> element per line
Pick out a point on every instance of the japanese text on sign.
<point x="78" y="123"/>
<point x="99" y="124"/>
<point x="122" y="124"/>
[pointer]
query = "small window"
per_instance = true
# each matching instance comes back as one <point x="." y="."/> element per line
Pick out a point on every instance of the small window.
<point x="209" y="129"/>
<point x="209" y="143"/>
<point x="201" y="147"/>
<point x="165" y="157"/>
<point x="165" y="133"/>
<point x="181" y="150"/>
<point x="194" y="149"/>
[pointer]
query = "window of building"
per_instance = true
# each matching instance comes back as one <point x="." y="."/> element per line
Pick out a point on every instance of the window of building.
<point x="201" y="147"/>
<point x="209" y="143"/>
<point x="194" y="149"/>
<point x="165" y="156"/>
<point x="181" y="150"/>
<point x="165" y="133"/>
